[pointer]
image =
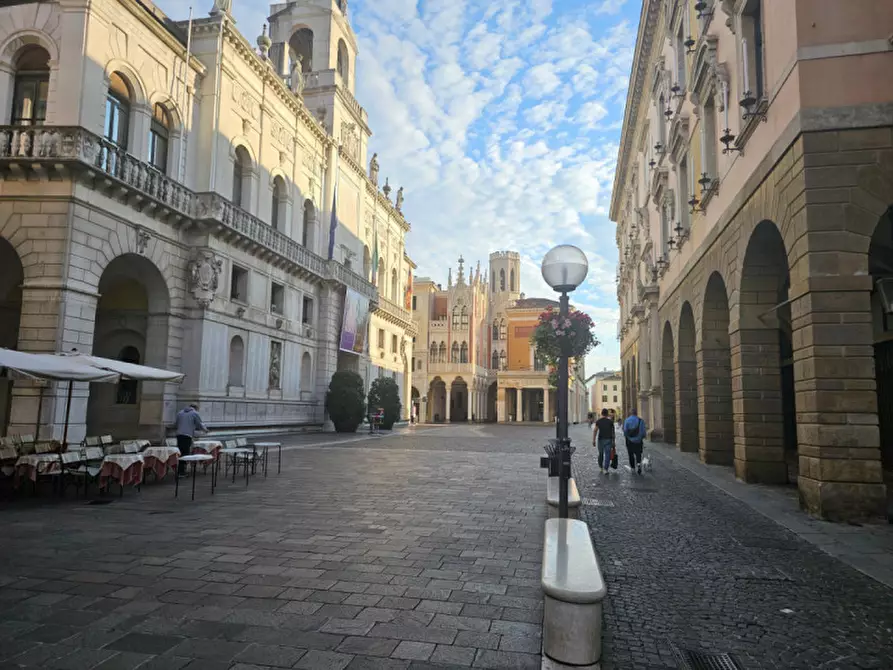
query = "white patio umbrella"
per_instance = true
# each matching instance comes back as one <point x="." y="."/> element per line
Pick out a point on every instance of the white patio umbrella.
<point x="126" y="370"/>
<point x="53" y="368"/>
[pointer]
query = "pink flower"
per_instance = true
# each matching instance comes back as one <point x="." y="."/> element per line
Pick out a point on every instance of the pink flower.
<point x="567" y="323"/>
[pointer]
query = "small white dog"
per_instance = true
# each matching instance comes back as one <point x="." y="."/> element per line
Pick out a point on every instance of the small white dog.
<point x="646" y="463"/>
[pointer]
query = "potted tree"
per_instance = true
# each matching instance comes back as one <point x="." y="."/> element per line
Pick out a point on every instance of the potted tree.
<point x="346" y="401"/>
<point x="385" y="394"/>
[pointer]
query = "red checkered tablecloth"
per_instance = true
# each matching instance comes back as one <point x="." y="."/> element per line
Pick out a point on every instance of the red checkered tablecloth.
<point x="126" y="469"/>
<point x="160" y="459"/>
<point x="32" y="465"/>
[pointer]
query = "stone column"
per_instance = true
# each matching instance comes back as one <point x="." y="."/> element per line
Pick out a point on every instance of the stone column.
<point x="840" y="474"/>
<point x="471" y="398"/>
<point x="328" y="322"/>
<point x="501" y="410"/>
<point x="449" y="402"/>
<point x="656" y="399"/>
<point x="547" y="410"/>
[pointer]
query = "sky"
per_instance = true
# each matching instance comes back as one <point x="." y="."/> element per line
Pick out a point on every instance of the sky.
<point x="502" y="121"/>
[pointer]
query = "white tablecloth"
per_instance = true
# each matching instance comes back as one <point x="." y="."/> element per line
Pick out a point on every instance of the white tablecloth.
<point x="124" y="468"/>
<point x="160" y="459"/>
<point x="32" y="465"/>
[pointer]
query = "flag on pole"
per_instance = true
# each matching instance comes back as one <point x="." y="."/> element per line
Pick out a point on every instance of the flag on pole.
<point x="333" y="226"/>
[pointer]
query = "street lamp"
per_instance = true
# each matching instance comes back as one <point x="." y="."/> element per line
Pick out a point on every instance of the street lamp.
<point x="564" y="268"/>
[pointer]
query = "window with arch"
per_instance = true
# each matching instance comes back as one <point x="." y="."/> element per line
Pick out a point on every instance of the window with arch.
<point x="442" y="356"/>
<point x="236" y="361"/>
<point x="432" y="354"/>
<point x="394" y="284"/>
<point x="464" y="316"/>
<point x="493" y="283"/>
<point x="494" y="363"/>
<point x="512" y="280"/>
<point x="118" y="101"/>
<point x="343" y="62"/>
<point x="454" y="353"/>
<point x="455" y="317"/>
<point x="495" y="331"/>
<point x="301" y="49"/>
<point x="159" y="138"/>
<point x="309" y="218"/>
<point x="503" y="360"/>
<point x="31" y="87"/>
<point x="306" y="373"/>
<point x="463" y="353"/>
<point x="662" y="122"/>
<point x="503" y="330"/>
<point x="241" y="177"/>
<point x="502" y="280"/>
<point x="128" y="388"/>
<point x="277" y="206"/>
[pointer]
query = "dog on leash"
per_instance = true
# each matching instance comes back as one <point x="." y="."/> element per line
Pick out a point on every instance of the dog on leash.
<point x="646" y="463"/>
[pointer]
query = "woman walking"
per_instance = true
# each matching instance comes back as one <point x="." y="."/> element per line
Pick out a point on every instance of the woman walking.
<point x="603" y="438"/>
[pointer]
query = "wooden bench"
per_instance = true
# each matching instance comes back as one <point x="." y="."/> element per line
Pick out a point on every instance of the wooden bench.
<point x="574" y="590"/>
<point x="573" y="498"/>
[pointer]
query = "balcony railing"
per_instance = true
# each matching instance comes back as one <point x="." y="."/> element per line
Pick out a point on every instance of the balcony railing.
<point x="38" y="148"/>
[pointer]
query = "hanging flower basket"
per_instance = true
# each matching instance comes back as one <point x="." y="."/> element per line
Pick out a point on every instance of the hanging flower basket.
<point x="570" y="336"/>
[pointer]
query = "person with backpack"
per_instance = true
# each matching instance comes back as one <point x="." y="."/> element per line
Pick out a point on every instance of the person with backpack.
<point x="634" y="432"/>
<point x="603" y="438"/>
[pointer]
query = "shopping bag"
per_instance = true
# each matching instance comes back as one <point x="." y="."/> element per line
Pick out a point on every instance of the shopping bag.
<point x="613" y="458"/>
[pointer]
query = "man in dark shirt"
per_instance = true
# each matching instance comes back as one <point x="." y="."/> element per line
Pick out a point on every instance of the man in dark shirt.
<point x="603" y="438"/>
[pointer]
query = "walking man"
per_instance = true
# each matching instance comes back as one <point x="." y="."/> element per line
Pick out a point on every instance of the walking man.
<point x="634" y="432"/>
<point x="603" y="438"/>
<point x="188" y="424"/>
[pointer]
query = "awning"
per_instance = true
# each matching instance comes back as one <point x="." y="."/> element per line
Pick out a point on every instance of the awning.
<point x="50" y="366"/>
<point x="126" y="370"/>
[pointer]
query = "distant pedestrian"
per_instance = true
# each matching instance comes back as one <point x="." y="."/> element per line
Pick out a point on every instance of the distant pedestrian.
<point x="188" y="424"/>
<point x="634" y="432"/>
<point x="603" y="437"/>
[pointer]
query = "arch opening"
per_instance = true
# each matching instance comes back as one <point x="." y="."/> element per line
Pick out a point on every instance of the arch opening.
<point x="12" y="276"/>
<point x="687" y="419"/>
<point x="715" y="363"/>
<point x="31" y="86"/>
<point x="458" y="401"/>
<point x="437" y="401"/>
<point x="668" y="384"/>
<point x="880" y="266"/>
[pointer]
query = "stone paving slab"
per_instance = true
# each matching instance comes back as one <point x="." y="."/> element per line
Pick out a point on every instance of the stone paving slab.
<point x="687" y="564"/>
<point x="415" y="550"/>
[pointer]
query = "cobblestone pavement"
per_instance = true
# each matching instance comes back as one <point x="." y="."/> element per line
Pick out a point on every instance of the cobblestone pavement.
<point x="415" y="550"/>
<point x="687" y="564"/>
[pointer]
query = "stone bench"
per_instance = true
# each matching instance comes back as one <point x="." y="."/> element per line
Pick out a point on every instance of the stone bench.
<point x="573" y="498"/>
<point x="574" y="590"/>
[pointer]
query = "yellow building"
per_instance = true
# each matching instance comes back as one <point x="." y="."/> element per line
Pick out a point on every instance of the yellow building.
<point x="607" y="393"/>
<point x="474" y="351"/>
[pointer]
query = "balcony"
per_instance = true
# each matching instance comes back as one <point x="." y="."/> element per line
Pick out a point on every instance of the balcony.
<point x="325" y="79"/>
<point x="68" y="151"/>
<point x="393" y="312"/>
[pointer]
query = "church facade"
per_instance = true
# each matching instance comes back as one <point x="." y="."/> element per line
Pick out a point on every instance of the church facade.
<point x="176" y="195"/>
<point x="473" y="359"/>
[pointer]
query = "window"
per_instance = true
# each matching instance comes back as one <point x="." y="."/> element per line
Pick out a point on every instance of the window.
<point x="277" y="298"/>
<point x="306" y="373"/>
<point x="127" y="388"/>
<point x="605" y="398"/>
<point x="752" y="49"/>
<point x="686" y="191"/>
<point x="454" y="353"/>
<point x="502" y="330"/>
<point x="615" y="398"/>
<point x="432" y="353"/>
<point x="494" y="363"/>
<point x="393" y="344"/>
<point x="709" y="138"/>
<point x="32" y="83"/>
<point x="394" y="284"/>
<point x="502" y="280"/>
<point x="615" y="387"/>
<point x="307" y="311"/>
<point x="277" y="206"/>
<point x="414" y="306"/>
<point x="117" y="111"/>
<point x="463" y="353"/>
<point x="236" y="361"/>
<point x="495" y="330"/>
<point x="539" y="363"/>
<point x="493" y="283"/>
<point x="465" y="317"/>
<point x="680" y="50"/>
<point x="441" y="355"/>
<point x="238" y="284"/>
<point x="343" y="63"/>
<point x="503" y="360"/>
<point x="309" y="218"/>
<point x="512" y="280"/>
<point x="381" y="338"/>
<point x="241" y="178"/>
<point x="301" y="49"/>
<point x="413" y="365"/>
<point x="455" y="317"/>
<point x="159" y="138"/>
<point x="662" y="122"/>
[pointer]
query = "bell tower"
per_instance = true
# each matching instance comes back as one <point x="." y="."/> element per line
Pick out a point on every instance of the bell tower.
<point x="314" y="38"/>
<point x="505" y="276"/>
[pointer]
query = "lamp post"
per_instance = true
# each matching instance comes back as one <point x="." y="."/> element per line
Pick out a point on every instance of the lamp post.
<point x="564" y="268"/>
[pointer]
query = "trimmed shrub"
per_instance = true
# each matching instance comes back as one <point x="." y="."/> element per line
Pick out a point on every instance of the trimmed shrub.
<point x="346" y="401"/>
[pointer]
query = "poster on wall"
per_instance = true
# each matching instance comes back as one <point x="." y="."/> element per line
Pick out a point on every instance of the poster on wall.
<point x="355" y="324"/>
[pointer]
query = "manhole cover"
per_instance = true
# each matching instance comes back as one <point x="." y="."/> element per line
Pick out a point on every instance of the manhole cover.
<point x="689" y="659"/>
<point x="593" y="502"/>
<point x="100" y="502"/>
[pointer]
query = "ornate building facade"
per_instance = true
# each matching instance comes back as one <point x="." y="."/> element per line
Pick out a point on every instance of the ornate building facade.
<point x="753" y="205"/>
<point x="474" y="352"/>
<point x="167" y="196"/>
<point x="607" y="393"/>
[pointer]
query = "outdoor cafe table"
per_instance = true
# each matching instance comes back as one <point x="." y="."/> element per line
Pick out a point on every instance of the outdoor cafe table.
<point x="210" y="447"/>
<point x="126" y="469"/>
<point x="32" y="465"/>
<point x="195" y="459"/>
<point x="271" y="445"/>
<point x="160" y="459"/>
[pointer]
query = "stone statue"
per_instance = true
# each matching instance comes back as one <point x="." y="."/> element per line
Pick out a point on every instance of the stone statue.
<point x="399" y="204"/>
<point x="297" y="75"/>
<point x="373" y="169"/>
<point x="222" y="7"/>
<point x="275" y="364"/>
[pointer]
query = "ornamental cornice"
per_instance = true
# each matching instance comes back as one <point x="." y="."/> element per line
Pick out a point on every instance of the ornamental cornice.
<point x="648" y="23"/>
